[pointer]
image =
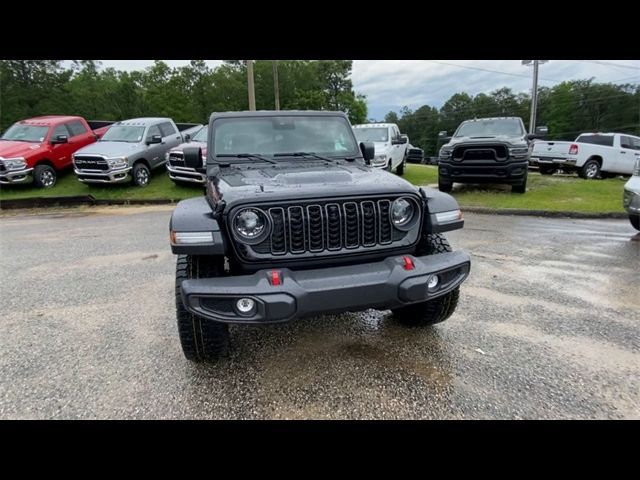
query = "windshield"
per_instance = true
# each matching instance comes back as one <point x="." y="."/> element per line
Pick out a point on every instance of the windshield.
<point x="123" y="133"/>
<point x="490" y="128"/>
<point x="25" y="133"/>
<point x="322" y="135"/>
<point x="201" y="136"/>
<point x="372" y="134"/>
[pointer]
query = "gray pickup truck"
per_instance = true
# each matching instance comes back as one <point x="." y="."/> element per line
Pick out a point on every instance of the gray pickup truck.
<point x="129" y="150"/>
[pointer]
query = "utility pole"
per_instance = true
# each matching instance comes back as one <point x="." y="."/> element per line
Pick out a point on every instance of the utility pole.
<point x="534" y="92"/>
<point x="276" y="87"/>
<point x="252" y="92"/>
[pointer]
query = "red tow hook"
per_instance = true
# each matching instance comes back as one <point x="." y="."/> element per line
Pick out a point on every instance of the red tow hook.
<point x="408" y="263"/>
<point x="275" y="278"/>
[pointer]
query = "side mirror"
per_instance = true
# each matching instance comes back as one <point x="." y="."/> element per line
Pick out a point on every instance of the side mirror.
<point x="442" y="134"/>
<point x="59" y="139"/>
<point x="192" y="157"/>
<point x="542" y="131"/>
<point x="401" y="140"/>
<point x="154" y="139"/>
<point x="368" y="150"/>
<point x="532" y="136"/>
<point x="187" y="137"/>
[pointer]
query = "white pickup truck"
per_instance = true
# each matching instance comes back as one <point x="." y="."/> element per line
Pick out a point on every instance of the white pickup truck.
<point x="592" y="155"/>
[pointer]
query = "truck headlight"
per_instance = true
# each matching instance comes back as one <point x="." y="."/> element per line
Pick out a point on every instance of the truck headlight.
<point x="379" y="159"/>
<point x="518" y="150"/>
<point x="117" y="162"/>
<point x="445" y="152"/>
<point x="15" y="163"/>
<point x="402" y="213"/>
<point x="636" y="170"/>
<point x="251" y="225"/>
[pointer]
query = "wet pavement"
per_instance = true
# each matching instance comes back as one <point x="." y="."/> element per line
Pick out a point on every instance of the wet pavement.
<point x="548" y="326"/>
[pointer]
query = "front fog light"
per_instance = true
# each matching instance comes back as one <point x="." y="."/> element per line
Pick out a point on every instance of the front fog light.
<point x="246" y="306"/>
<point x="433" y="282"/>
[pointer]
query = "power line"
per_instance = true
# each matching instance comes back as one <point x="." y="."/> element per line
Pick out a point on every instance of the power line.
<point x="600" y="62"/>
<point x="493" y="71"/>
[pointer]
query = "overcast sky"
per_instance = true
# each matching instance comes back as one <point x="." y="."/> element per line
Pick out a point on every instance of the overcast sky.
<point x="391" y="84"/>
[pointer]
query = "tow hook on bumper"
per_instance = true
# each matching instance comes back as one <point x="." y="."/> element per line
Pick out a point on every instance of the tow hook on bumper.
<point x="298" y="293"/>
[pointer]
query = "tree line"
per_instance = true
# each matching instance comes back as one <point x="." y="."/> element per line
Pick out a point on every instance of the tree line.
<point x="187" y="94"/>
<point x="568" y="109"/>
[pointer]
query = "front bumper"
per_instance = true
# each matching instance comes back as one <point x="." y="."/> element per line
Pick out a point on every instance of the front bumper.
<point x="486" y="172"/>
<point x="104" y="176"/>
<point x="9" y="177"/>
<point x="183" y="174"/>
<point x="381" y="285"/>
<point x="631" y="201"/>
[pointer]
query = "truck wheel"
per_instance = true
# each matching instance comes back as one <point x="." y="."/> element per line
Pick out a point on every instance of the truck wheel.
<point x="141" y="175"/>
<point x="201" y="339"/>
<point x="444" y="186"/>
<point x="44" y="176"/>
<point x="400" y="169"/>
<point x="635" y="221"/>
<point x="590" y="170"/>
<point x="547" y="170"/>
<point x="436" y="310"/>
<point x="522" y="188"/>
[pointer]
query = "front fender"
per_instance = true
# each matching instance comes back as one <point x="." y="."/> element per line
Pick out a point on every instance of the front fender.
<point x="440" y="212"/>
<point x="196" y="215"/>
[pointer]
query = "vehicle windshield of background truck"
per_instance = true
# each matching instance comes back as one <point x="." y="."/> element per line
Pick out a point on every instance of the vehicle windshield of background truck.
<point x="504" y="126"/>
<point x="322" y="135"/>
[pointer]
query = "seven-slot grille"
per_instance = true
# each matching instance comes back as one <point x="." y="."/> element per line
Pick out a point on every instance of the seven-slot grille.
<point x="328" y="226"/>
<point x="87" y="162"/>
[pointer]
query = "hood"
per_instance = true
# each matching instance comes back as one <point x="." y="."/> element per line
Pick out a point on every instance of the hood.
<point x="12" y="149"/>
<point x="182" y="146"/>
<point x="519" y="140"/>
<point x="111" y="149"/>
<point x="255" y="182"/>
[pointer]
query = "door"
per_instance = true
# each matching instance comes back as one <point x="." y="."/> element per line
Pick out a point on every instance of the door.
<point x="61" y="152"/>
<point x="155" y="151"/>
<point x="170" y="135"/>
<point x="79" y="135"/>
<point x="626" y="158"/>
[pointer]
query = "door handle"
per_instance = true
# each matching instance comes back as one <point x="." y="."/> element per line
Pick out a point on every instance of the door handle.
<point x="621" y="151"/>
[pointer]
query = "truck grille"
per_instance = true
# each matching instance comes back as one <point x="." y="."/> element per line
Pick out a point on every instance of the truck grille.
<point x="328" y="227"/>
<point x="176" y="159"/>
<point x="480" y="153"/>
<point x="88" y="162"/>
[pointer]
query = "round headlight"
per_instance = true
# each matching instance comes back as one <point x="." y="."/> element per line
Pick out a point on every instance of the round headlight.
<point x="250" y="224"/>
<point x="402" y="212"/>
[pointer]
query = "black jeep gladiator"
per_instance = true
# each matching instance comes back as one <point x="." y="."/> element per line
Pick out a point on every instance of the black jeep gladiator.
<point x="294" y="222"/>
<point x="486" y="150"/>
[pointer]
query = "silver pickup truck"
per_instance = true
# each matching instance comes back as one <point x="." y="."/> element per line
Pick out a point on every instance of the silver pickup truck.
<point x="129" y="150"/>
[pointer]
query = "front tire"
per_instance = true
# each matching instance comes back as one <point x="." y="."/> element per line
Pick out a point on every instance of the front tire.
<point x="432" y="311"/>
<point x="444" y="186"/>
<point x="201" y="339"/>
<point x="44" y="176"/>
<point x="635" y="221"/>
<point x="400" y="169"/>
<point x="141" y="175"/>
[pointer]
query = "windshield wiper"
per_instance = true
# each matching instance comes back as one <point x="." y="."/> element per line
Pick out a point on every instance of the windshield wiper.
<point x="246" y="155"/>
<point x="306" y="154"/>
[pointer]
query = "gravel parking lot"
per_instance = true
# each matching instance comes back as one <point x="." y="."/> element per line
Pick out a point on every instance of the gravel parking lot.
<point x="548" y="327"/>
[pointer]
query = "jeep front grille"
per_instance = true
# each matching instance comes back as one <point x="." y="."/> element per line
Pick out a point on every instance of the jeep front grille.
<point x="327" y="227"/>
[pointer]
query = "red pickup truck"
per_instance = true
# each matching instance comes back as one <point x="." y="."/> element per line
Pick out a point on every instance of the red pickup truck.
<point x="38" y="148"/>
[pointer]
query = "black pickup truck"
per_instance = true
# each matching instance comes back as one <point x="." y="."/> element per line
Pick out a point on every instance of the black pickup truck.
<point x="486" y="150"/>
<point x="295" y="222"/>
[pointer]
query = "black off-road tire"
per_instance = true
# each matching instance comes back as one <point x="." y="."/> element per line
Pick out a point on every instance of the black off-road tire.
<point x="444" y="186"/>
<point x="635" y="221"/>
<point x="201" y="339"/>
<point x="521" y="188"/>
<point x="590" y="170"/>
<point x="44" y="176"/>
<point x="436" y="310"/>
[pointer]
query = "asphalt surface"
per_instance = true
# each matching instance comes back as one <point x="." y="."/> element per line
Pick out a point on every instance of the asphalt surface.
<point x="548" y="326"/>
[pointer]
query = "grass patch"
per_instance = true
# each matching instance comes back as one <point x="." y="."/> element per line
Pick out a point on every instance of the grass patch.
<point x="68" y="185"/>
<point x="554" y="193"/>
<point x="544" y="192"/>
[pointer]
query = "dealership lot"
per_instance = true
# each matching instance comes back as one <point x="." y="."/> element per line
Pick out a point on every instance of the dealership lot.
<point x="548" y="327"/>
